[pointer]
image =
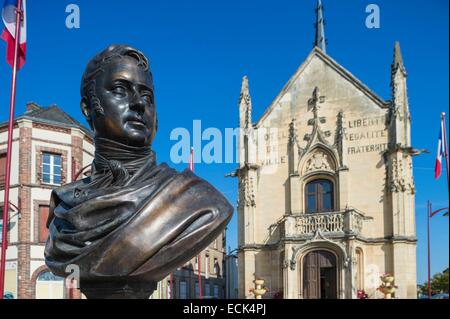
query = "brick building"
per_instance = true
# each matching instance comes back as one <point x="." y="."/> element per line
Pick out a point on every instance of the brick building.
<point x="48" y="146"/>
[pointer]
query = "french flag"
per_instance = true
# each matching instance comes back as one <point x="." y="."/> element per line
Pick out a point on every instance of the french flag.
<point x="9" y="33"/>
<point x="440" y="151"/>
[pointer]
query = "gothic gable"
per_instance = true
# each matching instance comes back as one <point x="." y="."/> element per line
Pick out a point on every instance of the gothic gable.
<point x="307" y="72"/>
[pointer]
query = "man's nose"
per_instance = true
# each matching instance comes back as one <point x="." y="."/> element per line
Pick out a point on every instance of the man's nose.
<point x="137" y="102"/>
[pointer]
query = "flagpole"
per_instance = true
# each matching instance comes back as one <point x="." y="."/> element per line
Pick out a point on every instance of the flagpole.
<point x="445" y="143"/>
<point x="12" y="103"/>
<point x="428" y="245"/>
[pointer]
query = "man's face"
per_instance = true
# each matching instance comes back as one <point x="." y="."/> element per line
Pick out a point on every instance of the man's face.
<point x="125" y="92"/>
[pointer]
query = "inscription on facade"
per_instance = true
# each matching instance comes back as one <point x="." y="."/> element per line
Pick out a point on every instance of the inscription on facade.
<point x="366" y="135"/>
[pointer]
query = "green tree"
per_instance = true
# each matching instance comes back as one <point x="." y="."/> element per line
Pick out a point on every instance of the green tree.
<point x="439" y="284"/>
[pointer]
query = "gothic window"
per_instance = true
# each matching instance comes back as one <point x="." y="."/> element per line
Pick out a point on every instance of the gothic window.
<point x="319" y="196"/>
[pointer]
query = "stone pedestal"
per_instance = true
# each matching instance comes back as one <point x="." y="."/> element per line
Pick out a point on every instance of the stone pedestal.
<point x="118" y="290"/>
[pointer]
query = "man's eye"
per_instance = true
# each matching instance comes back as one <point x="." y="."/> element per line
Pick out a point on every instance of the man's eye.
<point x="147" y="97"/>
<point x="119" y="90"/>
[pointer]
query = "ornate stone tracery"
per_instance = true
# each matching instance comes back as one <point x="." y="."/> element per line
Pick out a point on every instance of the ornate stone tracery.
<point x="247" y="190"/>
<point x="320" y="241"/>
<point x="400" y="178"/>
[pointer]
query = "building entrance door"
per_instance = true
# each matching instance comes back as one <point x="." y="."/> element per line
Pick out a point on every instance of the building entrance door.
<point x="320" y="275"/>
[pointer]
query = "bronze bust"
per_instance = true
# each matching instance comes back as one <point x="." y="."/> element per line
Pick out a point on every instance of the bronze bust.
<point x="132" y="221"/>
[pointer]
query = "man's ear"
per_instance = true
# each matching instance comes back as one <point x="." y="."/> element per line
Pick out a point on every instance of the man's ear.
<point x="84" y="105"/>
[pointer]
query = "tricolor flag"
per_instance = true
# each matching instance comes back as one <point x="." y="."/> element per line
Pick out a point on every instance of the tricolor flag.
<point x="441" y="151"/>
<point x="9" y="33"/>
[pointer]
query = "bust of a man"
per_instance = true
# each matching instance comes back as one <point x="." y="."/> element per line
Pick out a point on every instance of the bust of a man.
<point x="132" y="221"/>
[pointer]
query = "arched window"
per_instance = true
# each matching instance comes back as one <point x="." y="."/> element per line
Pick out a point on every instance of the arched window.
<point x="319" y="196"/>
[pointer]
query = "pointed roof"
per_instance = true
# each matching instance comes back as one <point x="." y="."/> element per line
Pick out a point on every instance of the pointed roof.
<point x="245" y="104"/>
<point x="320" y="40"/>
<point x="316" y="52"/>
<point x="398" y="59"/>
<point x="245" y="93"/>
<point x="52" y="115"/>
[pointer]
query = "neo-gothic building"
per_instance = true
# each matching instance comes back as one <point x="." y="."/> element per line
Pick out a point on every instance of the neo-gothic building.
<point x="326" y="191"/>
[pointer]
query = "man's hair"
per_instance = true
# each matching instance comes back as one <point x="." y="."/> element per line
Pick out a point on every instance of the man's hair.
<point x="96" y="66"/>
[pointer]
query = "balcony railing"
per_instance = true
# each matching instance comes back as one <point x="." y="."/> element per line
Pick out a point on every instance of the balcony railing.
<point x="348" y="222"/>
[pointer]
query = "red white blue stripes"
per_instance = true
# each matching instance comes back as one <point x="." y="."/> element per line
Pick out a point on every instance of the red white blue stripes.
<point x="9" y="33"/>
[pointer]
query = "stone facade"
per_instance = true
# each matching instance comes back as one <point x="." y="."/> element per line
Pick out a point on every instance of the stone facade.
<point x="39" y="130"/>
<point x="327" y="128"/>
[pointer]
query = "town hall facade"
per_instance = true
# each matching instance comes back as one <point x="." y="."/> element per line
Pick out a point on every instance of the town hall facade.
<point x="326" y="190"/>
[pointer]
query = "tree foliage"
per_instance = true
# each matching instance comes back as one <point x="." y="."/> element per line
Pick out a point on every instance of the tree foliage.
<point x="439" y="284"/>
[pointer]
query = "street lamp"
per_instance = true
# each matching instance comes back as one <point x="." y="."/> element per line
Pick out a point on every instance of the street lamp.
<point x="430" y="214"/>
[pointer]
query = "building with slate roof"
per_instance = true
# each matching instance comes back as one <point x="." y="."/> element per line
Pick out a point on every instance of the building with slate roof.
<point x="49" y="148"/>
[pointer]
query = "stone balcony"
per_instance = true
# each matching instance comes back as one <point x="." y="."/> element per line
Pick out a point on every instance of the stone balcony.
<point x="337" y="224"/>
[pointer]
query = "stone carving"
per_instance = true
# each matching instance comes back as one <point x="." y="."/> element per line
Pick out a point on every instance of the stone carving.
<point x="311" y="223"/>
<point x="317" y="134"/>
<point x="394" y="177"/>
<point x="339" y="140"/>
<point x="294" y="146"/>
<point x="344" y="222"/>
<point x="400" y="178"/>
<point x="319" y="237"/>
<point x="293" y="260"/>
<point x="247" y="190"/>
<point x="410" y="185"/>
<point x="318" y="161"/>
<point x="293" y="137"/>
<point x="314" y="101"/>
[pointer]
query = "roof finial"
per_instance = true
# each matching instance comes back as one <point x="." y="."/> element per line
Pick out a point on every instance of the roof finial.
<point x="245" y="105"/>
<point x="320" y="41"/>
<point x="398" y="59"/>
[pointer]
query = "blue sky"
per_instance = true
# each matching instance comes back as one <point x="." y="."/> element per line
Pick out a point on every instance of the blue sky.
<point x="199" y="51"/>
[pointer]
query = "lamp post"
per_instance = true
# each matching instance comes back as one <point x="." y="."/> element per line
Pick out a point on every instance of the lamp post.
<point x="430" y="214"/>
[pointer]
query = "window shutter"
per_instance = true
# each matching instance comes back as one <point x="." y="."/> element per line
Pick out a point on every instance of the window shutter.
<point x="43" y="215"/>
<point x="2" y="169"/>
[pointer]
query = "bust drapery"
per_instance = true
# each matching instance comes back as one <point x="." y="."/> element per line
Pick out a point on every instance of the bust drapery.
<point x="132" y="221"/>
